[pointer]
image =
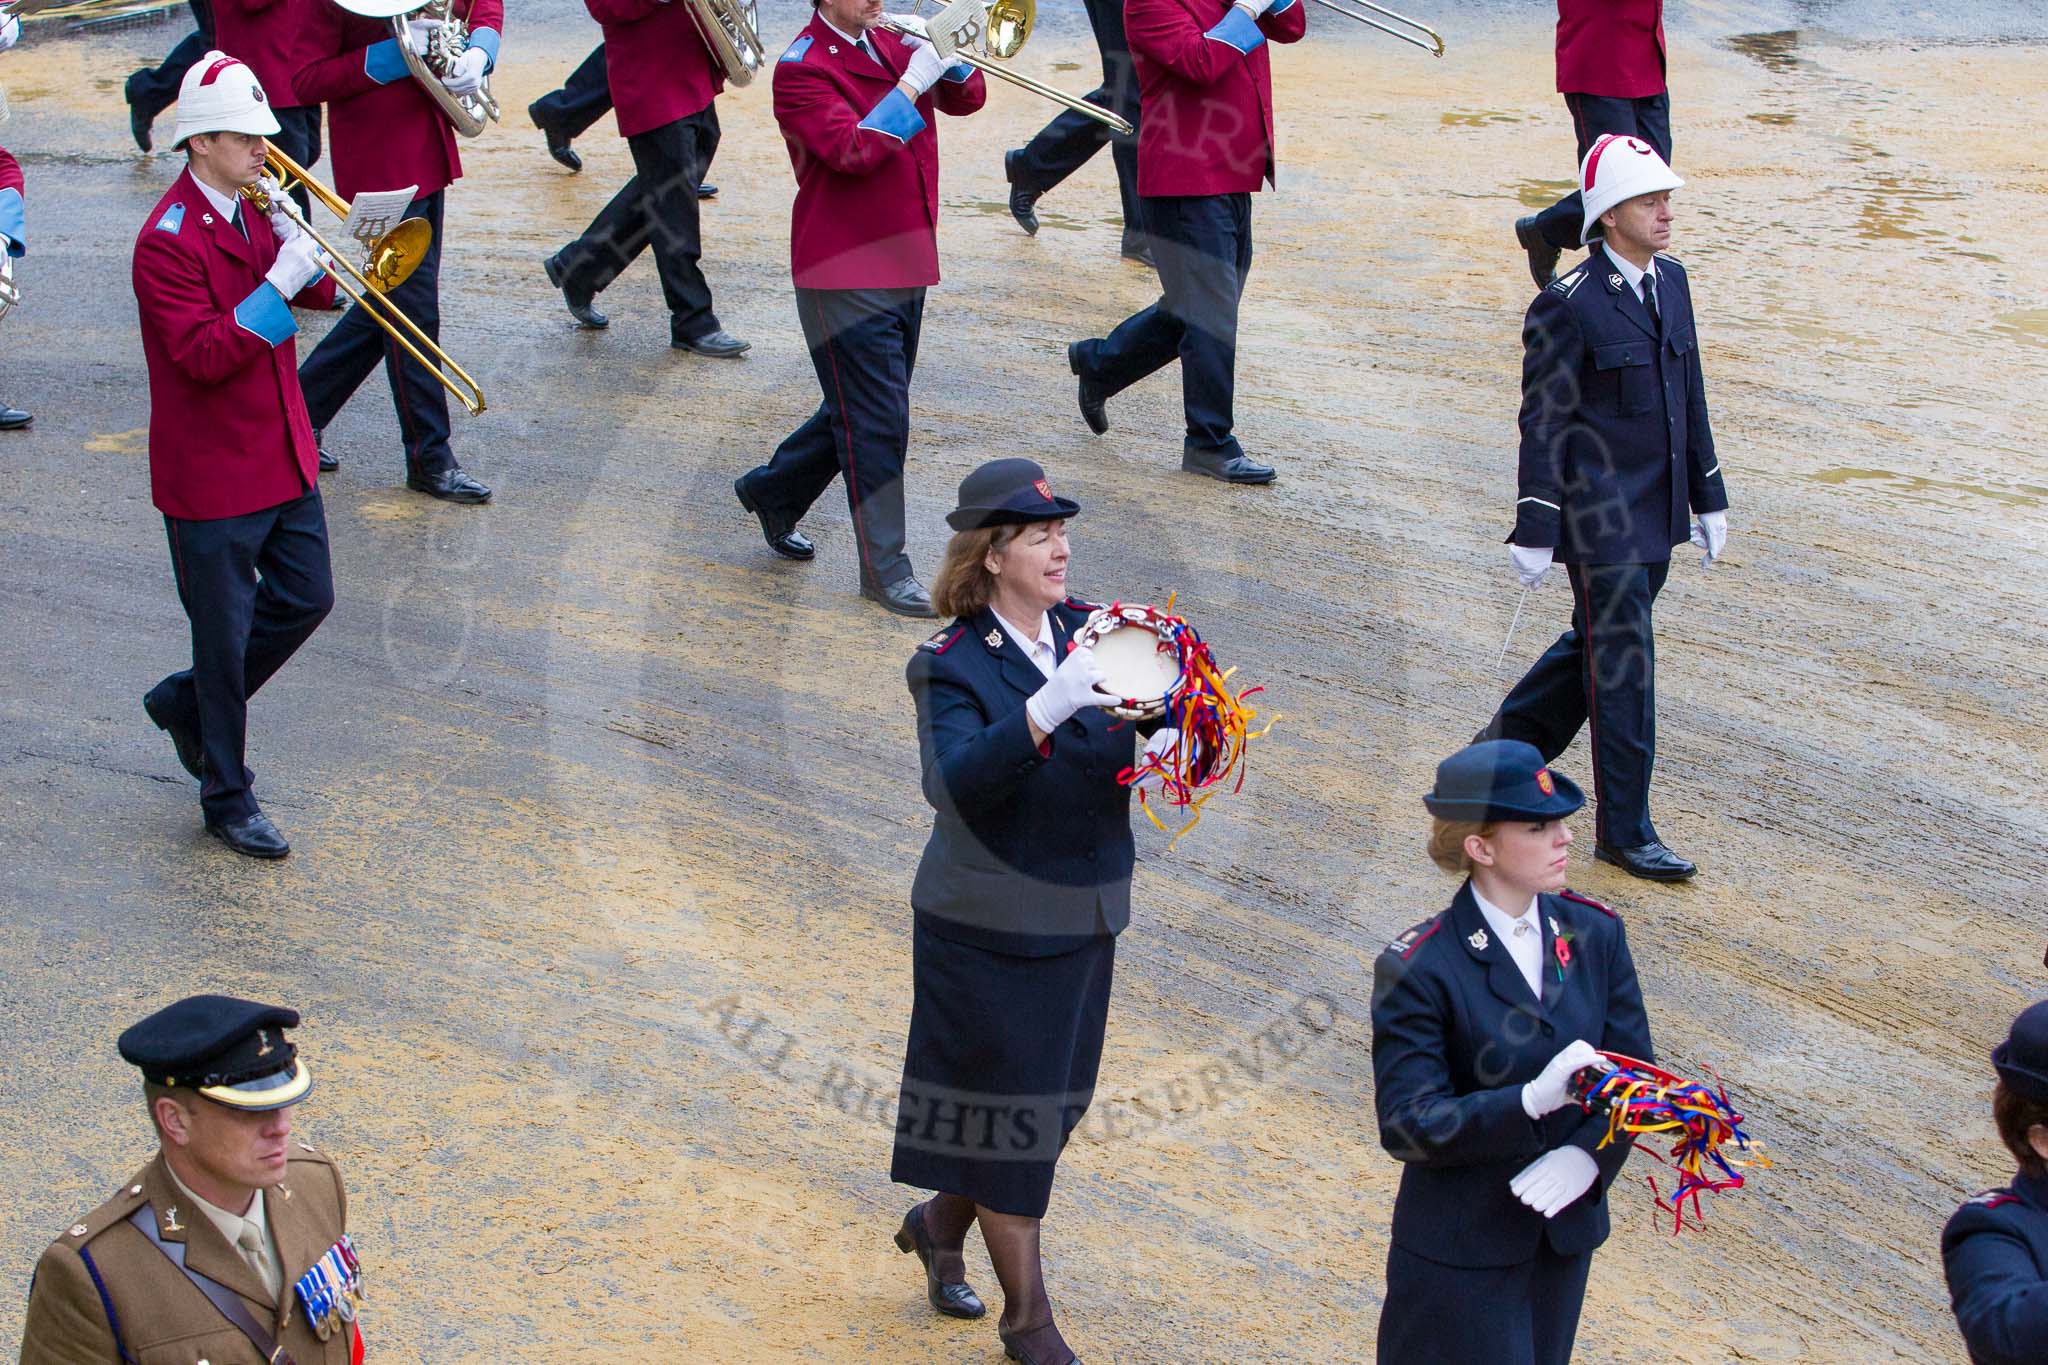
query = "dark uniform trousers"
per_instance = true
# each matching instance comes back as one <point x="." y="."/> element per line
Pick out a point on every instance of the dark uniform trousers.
<point x="1526" y="1314"/>
<point x="583" y="99"/>
<point x="1203" y="246"/>
<point x="155" y="89"/>
<point x="254" y="587"/>
<point x="1593" y="117"/>
<point x="346" y="355"/>
<point x="1601" y="674"/>
<point x="863" y="344"/>
<point x="658" y="208"/>
<point x="1065" y="145"/>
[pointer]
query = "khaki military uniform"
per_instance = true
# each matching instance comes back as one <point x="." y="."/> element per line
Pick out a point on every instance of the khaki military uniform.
<point x="163" y="1317"/>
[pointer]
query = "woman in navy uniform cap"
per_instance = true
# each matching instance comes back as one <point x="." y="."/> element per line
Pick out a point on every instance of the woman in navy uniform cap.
<point x="1481" y="1017"/>
<point x="1995" y="1248"/>
<point x="1022" y="890"/>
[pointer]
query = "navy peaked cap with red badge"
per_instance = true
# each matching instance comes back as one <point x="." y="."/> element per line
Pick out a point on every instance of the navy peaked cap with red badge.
<point x="1501" y="779"/>
<point x="233" y="1052"/>
<point x="2022" y="1059"/>
<point x="1008" y="492"/>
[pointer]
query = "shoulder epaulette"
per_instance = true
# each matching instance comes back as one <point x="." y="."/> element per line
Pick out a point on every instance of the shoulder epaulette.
<point x="1408" y="942"/>
<point x="796" y="50"/>
<point x="943" y="641"/>
<point x="1570" y="280"/>
<point x="1588" y="900"/>
<point x="1991" y="1199"/>
<point x="1079" y="605"/>
<point x="1667" y="256"/>
<point x="125" y="1201"/>
<point x="173" y="219"/>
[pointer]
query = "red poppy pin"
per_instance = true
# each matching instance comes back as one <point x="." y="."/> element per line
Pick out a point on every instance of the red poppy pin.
<point x="1543" y="782"/>
<point x="1044" y="489"/>
<point x="1562" y="938"/>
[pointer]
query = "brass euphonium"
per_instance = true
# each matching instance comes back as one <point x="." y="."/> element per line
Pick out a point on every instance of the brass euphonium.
<point x="447" y="40"/>
<point x="732" y="30"/>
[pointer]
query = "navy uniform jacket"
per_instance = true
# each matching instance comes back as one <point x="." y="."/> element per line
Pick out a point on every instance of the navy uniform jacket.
<point x="1030" y="851"/>
<point x="1995" y="1249"/>
<point x="1455" y="1034"/>
<point x="1615" y="438"/>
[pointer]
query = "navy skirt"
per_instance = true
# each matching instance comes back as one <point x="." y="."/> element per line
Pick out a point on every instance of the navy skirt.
<point x="999" y="1067"/>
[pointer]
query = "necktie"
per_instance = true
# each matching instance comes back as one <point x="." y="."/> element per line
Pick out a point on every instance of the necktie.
<point x="1650" y="300"/>
<point x="240" y="226"/>
<point x="866" y="51"/>
<point x="250" y="1244"/>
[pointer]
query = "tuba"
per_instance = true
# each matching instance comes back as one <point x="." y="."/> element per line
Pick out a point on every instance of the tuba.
<point x="732" y="30"/>
<point x="449" y="39"/>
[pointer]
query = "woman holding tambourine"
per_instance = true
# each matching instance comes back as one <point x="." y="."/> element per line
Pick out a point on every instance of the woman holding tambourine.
<point x="1481" y="1017"/>
<point x="1022" y="890"/>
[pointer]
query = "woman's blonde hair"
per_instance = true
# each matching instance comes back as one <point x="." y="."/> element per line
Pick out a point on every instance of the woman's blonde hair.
<point x="1447" y="842"/>
<point x="964" y="584"/>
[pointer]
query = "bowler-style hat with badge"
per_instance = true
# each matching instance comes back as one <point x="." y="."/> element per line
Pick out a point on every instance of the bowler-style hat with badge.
<point x="1501" y="779"/>
<point x="2022" y="1059"/>
<point x="233" y="1052"/>
<point x="1008" y="492"/>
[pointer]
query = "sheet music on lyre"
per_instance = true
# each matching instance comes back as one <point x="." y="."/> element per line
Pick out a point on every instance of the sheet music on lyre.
<point x="373" y="213"/>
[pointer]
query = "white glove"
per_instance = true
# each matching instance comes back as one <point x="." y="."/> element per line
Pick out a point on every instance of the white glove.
<point x="466" y="75"/>
<point x="1555" y="1179"/>
<point x="1161" y="746"/>
<point x="1255" y="8"/>
<point x="280" y="221"/>
<point x="926" y="66"/>
<point x="297" y="265"/>
<point x="1710" y="533"/>
<point x="419" y="33"/>
<point x="10" y="33"/>
<point x="1551" y="1091"/>
<point x="1071" y="687"/>
<point x="1531" y="563"/>
<point x="912" y="29"/>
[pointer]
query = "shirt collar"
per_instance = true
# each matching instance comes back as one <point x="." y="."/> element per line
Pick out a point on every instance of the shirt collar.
<point x="1500" y="920"/>
<point x="1630" y="273"/>
<point x="849" y="38"/>
<point x="224" y="205"/>
<point x="1031" y="645"/>
<point x="230" y="1224"/>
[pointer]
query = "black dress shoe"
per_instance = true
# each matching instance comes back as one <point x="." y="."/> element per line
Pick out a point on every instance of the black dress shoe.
<point x="184" y="738"/>
<point x="719" y="345"/>
<point x="138" y="127"/>
<point x="14" y="419"/>
<point x="452" y="484"/>
<point x="905" y="597"/>
<point x="956" y="1299"/>
<point x="328" y="464"/>
<point x="1141" y="252"/>
<point x="1091" y="394"/>
<point x="252" y="836"/>
<point x="558" y="141"/>
<point x="1651" y="861"/>
<point x="707" y="191"/>
<point x="1023" y="202"/>
<point x="782" y="536"/>
<point x="581" y="301"/>
<point x="1233" y="469"/>
<point x="1014" y="1351"/>
<point x="1542" y="255"/>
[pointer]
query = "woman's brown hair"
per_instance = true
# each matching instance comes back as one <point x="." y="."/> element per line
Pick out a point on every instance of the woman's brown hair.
<point x="964" y="584"/>
<point x="1447" y="842"/>
<point x="2017" y="1116"/>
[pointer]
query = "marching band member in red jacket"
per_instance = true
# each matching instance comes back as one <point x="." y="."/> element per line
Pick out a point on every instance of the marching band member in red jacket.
<point x="664" y="83"/>
<point x="857" y="106"/>
<point x="1205" y="145"/>
<point x="13" y="225"/>
<point x="385" y="133"/>
<point x="231" y="454"/>
<point x="1610" y="70"/>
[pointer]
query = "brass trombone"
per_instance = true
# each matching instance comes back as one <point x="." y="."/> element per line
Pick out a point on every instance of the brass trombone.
<point x="391" y="258"/>
<point x="999" y="30"/>
<point x="1434" y="45"/>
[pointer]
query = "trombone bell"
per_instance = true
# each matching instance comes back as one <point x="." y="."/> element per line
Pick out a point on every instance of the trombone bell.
<point x="397" y="254"/>
<point x="1009" y="24"/>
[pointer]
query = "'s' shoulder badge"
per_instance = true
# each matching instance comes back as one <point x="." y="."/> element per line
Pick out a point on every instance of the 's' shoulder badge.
<point x="173" y="219"/>
<point x="1588" y="900"/>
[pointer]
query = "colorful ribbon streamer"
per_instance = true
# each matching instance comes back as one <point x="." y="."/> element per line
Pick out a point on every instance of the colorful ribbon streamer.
<point x="1214" y="724"/>
<point x="1641" y="1099"/>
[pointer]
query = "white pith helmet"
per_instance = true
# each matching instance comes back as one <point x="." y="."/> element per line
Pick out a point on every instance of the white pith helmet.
<point x="220" y="94"/>
<point x="1616" y="170"/>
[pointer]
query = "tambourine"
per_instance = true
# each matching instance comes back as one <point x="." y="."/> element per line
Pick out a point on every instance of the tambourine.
<point x="1141" y="657"/>
<point x="1643" y="1100"/>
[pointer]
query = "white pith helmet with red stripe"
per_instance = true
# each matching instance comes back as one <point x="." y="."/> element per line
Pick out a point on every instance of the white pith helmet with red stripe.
<point x="220" y="94"/>
<point x="1616" y="170"/>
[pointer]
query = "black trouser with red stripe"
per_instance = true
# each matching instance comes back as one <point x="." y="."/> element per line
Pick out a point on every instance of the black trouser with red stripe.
<point x="1594" y="116"/>
<point x="863" y="343"/>
<point x="1602" y="671"/>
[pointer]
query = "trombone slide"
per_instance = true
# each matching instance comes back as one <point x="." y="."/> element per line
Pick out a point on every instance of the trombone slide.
<point x="1362" y="11"/>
